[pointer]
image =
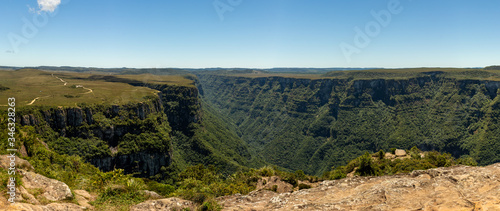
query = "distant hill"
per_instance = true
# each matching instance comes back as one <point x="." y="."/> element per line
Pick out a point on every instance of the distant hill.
<point x="496" y="67"/>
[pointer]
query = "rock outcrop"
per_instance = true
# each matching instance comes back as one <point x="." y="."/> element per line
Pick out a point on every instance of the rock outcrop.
<point x="164" y="204"/>
<point x="452" y="188"/>
<point x="52" y="190"/>
<point x="38" y="192"/>
<point x="275" y="184"/>
<point x="400" y="153"/>
<point x="83" y="198"/>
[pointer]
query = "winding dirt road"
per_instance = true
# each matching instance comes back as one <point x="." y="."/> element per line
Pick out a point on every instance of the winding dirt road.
<point x="34" y="100"/>
<point x="65" y="83"/>
<point x="90" y="90"/>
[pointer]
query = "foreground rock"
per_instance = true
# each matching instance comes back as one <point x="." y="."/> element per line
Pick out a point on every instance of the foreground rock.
<point x="452" y="188"/>
<point x="83" y="198"/>
<point x="164" y="204"/>
<point x="38" y="192"/>
<point x="48" y="207"/>
<point x="53" y="190"/>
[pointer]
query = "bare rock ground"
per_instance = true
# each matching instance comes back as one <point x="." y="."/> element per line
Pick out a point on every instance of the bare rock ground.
<point x="164" y="204"/>
<point x="452" y="188"/>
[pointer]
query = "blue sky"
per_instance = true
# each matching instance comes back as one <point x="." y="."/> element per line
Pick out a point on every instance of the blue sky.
<point x="250" y="33"/>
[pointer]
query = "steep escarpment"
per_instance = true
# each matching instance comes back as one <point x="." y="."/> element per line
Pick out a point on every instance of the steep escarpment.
<point x="314" y="124"/>
<point x="134" y="137"/>
<point x="181" y="105"/>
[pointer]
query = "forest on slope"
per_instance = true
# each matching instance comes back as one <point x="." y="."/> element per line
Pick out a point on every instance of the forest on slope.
<point x="312" y="124"/>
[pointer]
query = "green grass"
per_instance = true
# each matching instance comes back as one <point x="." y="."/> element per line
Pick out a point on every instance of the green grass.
<point x="48" y="88"/>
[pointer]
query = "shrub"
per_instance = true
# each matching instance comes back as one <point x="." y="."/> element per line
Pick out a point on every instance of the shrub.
<point x="300" y="175"/>
<point x="366" y="166"/>
<point x="160" y="188"/>
<point x="338" y="174"/>
<point x="415" y="153"/>
<point x="274" y="188"/>
<point x="290" y="178"/>
<point x="210" y="205"/>
<point x="304" y="186"/>
<point x="381" y="154"/>
<point x="266" y="171"/>
<point x="467" y="160"/>
<point x="393" y="150"/>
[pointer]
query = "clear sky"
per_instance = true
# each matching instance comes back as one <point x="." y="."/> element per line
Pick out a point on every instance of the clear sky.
<point x="250" y="33"/>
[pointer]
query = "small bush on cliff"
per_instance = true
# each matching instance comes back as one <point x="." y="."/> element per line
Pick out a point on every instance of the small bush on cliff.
<point x="304" y="186"/>
<point x="366" y="166"/>
<point x="210" y="205"/>
<point x="118" y="190"/>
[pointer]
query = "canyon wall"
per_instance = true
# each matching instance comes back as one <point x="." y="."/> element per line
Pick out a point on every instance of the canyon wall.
<point x="314" y="124"/>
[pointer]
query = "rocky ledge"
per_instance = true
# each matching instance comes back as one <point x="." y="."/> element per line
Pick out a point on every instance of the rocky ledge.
<point x="38" y="192"/>
<point x="452" y="188"/>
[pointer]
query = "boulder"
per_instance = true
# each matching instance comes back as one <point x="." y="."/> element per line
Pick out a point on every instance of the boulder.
<point x="389" y="155"/>
<point x="270" y="182"/>
<point x="83" y="198"/>
<point x="400" y="153"/>
<point x="26" y="196"/>
<point x="151" y="194"/>
<point x="52" y="190"/>
<point x="5" y="161"/>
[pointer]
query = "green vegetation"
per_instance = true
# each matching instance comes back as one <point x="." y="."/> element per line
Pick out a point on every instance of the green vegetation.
<point x="375" y="165"/>
<point x="3" y="88"/>
<point x="308" y="124"/>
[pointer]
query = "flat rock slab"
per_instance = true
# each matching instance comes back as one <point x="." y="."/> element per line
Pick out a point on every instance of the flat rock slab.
<point x="48" y="207"/>
<point x="164" y="204"/>
<point x="451" y="188"/>
<point x="400" y="153"/>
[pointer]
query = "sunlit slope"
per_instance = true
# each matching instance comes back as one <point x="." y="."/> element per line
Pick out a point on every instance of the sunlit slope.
<point x="39" y="88"/>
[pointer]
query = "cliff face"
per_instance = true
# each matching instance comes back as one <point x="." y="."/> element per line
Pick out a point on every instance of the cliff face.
<point x="313" y="124"/>
<point x="108" y="125"/>
<point x="181" y="105"/>
<point x="141" y="138"/>
<point x="144" y="163"/>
